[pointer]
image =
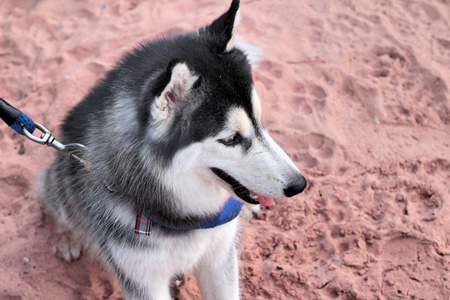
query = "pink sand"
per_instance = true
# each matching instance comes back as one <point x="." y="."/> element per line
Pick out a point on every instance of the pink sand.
<point x="356" y="92"/>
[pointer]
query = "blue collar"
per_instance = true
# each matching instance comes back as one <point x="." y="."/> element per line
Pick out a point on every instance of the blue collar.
<point x="230" y="211"/>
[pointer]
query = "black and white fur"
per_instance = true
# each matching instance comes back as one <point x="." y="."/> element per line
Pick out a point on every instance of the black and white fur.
<point x="174" y="129"/>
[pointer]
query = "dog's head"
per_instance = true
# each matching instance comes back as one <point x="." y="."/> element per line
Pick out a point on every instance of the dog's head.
<point x="204" y="116"/>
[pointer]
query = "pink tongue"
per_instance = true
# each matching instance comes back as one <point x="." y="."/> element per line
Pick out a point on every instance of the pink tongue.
<point x="266" y="201"/>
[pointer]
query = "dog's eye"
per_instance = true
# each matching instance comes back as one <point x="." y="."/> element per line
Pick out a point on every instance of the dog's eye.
<point x="231" y="140"/>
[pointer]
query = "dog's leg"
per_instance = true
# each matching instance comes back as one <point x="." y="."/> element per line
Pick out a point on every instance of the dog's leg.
<point x="133" y="290"/>
<point x="139" y="275"/>
<point x="65" y="246"/>
<point x="218" y="276"/>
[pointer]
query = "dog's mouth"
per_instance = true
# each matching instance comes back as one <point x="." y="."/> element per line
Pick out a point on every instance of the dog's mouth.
<point x="241" y="191"/>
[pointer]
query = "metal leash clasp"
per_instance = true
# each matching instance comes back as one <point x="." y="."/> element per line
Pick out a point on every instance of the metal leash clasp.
<point x="73" y="150"/>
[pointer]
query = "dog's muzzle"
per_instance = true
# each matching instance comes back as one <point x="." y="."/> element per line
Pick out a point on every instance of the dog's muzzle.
<point x="298" y="185"/>
<point x="240" y="190"/>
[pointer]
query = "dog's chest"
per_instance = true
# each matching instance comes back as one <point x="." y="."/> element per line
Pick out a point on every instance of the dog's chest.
<point x="171" y="254"/>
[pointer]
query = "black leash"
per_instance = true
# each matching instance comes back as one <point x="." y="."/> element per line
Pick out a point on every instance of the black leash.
<point x="24" y="125"/>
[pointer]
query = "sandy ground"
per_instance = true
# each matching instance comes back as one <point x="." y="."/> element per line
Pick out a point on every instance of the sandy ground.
<point x="356" y="92"/>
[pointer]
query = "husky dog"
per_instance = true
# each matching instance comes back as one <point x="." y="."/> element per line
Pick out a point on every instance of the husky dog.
<point x="171" y="132"/>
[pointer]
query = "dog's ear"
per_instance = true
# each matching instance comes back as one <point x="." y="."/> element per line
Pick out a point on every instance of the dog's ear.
<point x="178" y="81"/>
<point x="220" y="33"/>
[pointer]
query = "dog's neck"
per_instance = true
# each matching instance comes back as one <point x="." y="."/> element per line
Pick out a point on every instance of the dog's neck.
<point x="195" y="195"/>
<point x="179" y="190"/>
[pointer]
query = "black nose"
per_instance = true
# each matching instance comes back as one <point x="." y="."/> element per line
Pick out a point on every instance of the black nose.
<point x="296" y="188"/>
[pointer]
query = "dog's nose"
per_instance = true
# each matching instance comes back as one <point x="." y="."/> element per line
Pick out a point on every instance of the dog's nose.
<point x="296" y="188"/>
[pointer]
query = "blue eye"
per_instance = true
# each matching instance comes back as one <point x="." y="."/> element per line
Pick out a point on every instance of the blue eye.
<point x="233" y="140"/>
